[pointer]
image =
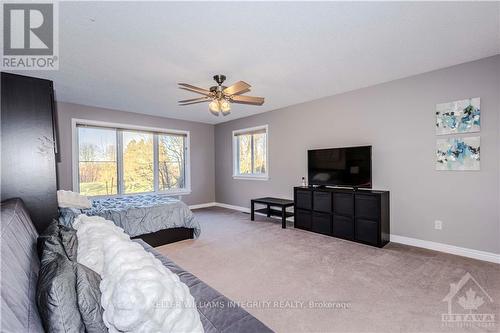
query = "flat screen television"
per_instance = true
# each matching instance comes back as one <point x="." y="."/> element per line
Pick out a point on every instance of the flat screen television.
<point x="348" y="167"/>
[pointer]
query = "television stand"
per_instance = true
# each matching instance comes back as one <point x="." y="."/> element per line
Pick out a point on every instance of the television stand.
<point x="358" y="215"/>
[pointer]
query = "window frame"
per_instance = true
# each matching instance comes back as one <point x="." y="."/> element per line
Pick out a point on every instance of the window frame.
<point x="119" y="158"/>
<point x="251" y="176"/>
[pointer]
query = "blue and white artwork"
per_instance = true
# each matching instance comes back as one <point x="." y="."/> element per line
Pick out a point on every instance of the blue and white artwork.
<point x="458" y="153"/>
<point x="458" y="117"/>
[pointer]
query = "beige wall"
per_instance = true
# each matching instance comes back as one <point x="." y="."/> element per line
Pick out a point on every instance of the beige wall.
<point x="397" y="119"/>
<point x="201" y="137"/>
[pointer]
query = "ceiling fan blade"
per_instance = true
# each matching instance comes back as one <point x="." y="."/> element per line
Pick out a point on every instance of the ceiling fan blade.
<point x="248" y="100"/>
<point x="237" y="88"/>
<point x="195" y="102"/>
<point x="201" y="99"/>
<point x="194" y="89"/>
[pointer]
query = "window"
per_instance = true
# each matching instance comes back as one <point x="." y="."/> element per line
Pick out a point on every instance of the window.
<point x="97" y="164"/>
<point x="171" y="167"/>
<point x="250" y="153"/>
<point x="138" y="164"/>
<point x="113" y="159"/>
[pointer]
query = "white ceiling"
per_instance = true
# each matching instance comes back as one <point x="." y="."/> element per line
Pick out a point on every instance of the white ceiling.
<point x="130" y="55"/>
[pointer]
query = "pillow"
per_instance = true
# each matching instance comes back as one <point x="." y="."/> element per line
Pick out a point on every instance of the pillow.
<point x="89" y="299"/>
<point x="57" y="239"/>
<point x="52" y="230"/>
<point x="56" y="296"/>
<point x="49" y="245"/>
<point x="70" y="199"/>
<point x="69" y="241"/>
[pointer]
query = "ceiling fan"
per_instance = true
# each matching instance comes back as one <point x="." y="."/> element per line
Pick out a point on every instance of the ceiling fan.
<point x="220" y="97"/>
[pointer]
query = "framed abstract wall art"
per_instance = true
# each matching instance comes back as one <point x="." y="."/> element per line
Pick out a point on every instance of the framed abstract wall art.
<point x="457" y="153"/>
<point x="457" y="117"/>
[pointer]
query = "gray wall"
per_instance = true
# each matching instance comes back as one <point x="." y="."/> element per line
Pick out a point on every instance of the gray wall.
<point x="397" y="118"/>
<point x="201" y="138"/>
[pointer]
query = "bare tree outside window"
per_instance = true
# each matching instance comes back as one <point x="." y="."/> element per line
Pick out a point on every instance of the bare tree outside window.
<point x="259" y="153"/>
<point x="171" y="161"/>
<point x="245" y="154"/>
<point x="97" y="161"/>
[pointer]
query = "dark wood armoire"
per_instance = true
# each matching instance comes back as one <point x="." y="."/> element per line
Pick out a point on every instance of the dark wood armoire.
<point x="29" y="145"/>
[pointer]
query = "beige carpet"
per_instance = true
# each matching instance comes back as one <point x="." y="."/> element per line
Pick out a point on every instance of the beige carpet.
<point x="395" y="289"/>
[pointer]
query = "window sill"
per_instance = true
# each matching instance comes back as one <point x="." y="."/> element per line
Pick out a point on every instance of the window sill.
<point x="166" y="193"/>
<point x="250" y="177"/>
<point x="173" y="193"/>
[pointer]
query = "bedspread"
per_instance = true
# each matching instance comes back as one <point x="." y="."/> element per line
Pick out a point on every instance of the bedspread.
<point x="138" y="214"/>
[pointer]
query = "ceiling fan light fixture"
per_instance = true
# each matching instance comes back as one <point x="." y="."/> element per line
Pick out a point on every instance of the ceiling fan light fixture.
<point x="214" y="106"/>
<point x="225" y="106"/>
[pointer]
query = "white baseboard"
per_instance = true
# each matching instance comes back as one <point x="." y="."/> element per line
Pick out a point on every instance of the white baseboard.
<point x="451" y="249"/>
<point x="240" y="208"/>
<point x="203" y="205"/>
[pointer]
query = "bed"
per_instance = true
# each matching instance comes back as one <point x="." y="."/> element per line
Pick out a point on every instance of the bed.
<point x="157" y="219"/>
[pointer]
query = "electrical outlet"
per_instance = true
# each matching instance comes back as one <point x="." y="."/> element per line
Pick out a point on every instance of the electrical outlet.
<point x="438" y="225"/>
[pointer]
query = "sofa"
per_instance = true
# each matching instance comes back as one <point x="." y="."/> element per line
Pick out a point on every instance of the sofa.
<point x="19" y="272"/>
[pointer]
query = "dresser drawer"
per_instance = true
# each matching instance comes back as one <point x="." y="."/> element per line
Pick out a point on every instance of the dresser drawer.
<point x="367" y="231"/>
<point x="302" y="219"/>
<point x="322" y="201"/>
<point x="343" y="227"/>
<point x="322" y="223"/>
<point x="343" y="204"/>
<point x="303" y="199"/>
<point x="367" y="206"/>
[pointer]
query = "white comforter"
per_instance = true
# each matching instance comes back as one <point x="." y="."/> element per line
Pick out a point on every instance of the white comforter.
<point x="139" y="294"/>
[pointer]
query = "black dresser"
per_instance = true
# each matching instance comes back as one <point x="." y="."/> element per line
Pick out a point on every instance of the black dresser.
<point x="29" y="146"/>
<point x="361" y="216"/>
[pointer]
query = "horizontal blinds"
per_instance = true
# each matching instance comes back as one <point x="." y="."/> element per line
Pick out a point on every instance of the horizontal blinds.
<point x="114" y="128"/>
<point x="256" y="131"/>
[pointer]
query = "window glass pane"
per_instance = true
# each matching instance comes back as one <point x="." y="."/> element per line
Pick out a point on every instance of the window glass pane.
<point x="138" y="172"/>
<point x="244" y="154"/>
<point x="171" y="162"/>
<point x="259" y="150"/>
<point x="97" y="161"/>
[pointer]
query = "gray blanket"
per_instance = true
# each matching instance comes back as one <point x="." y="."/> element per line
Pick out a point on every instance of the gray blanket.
<point x="138" y="214"/>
